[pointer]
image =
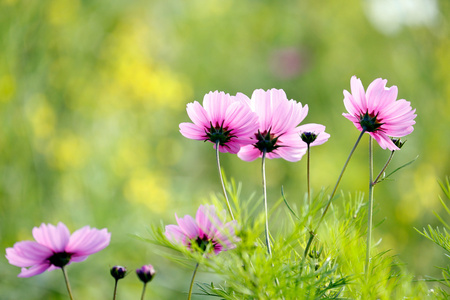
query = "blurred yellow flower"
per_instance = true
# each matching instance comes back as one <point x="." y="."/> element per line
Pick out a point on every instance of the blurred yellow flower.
<point x="62" y="11"/>
<point x="42" y="117"/>
<point x="68" y="151"/>
<point x="148" y="189"/>
<point x="132" y="153"/>
<point x="7" y="88"/>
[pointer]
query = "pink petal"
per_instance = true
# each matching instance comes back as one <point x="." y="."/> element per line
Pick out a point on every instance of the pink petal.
<point x="350" y="104"/>
<point x="192" y="131"/>
<point x="249" y="153"/>
<point x="358" y="93"/>
<point x="27" y="253"/>
<point x="86" y="241"/>
<point x="188" y="226"/>
<point x="175" y="234"/>
<point x="34" y="270"/>
<point x="55" y="238"/>
<point x="198" y="114"/>
<point x="207" y="220"/>
<point x="383" y="140"/>
<point x="216" y="104"/>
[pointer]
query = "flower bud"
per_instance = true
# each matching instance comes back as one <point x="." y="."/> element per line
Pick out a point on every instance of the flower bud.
<point x="398" y="142"/>
<point x="118" y="272"/>
<point x="308" y="137"/>
<point x="146" y="273"/>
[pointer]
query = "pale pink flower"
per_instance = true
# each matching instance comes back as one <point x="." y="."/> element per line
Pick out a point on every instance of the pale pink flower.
<point x="55" y="247"/>
<point x="222" y="118"/>
<point x="277" y="134"/>
<point x="206" y="231"/>
<point x="378" y="111"/>
<point x="313" y="134"/>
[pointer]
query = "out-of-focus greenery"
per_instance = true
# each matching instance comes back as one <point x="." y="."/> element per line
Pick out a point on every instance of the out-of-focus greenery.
<point x="92" y="92"/>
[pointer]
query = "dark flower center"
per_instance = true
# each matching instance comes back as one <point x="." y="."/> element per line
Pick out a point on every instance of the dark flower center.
<point x="369" y="122"/>
<point x="219" y="134"/>
<point x="308" y="137"/>
<point x="266" y="141"/>
<point x="205" y="244"/>
<point x="60" y="259"/>
<point x="202" y="243"/>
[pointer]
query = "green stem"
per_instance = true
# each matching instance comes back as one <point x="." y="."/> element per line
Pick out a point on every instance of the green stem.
<point x="263" y="171"/>
<point x="221" y="181"/>
<point x="312" y="234"/>
<point x="384" y="168"/>
<point x="370" y="209"/>
<point x="143" y="291"/>
<point x="66" y="278"/>
<point x="308" y="158"/>
<point x="115" y="289"/>
<point x="192" y="282"/>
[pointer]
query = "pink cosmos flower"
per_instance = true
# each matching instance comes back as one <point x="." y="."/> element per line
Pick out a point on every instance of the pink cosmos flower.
<point x="277" y="133"/>
<point x="313" y="134"/>
<point x="378" y="111"/>
<point x="55" y="247"/>
<point x="222" y="118"/>
<point x="206" y="231"/>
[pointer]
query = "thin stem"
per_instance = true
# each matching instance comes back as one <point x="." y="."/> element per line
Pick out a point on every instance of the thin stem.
<point x="221" y="181"/>
<point x="312" y="234"/>
<point x="369" y="220"/>
<point x="384" y="168"/>
<point x="66" y="278"/>
<point x="192" y="282"/>
<point x="115" y="289"/>
<point x="308" y="170"/>
<point x="143" y="291"/>
<point x="263" y="171"/>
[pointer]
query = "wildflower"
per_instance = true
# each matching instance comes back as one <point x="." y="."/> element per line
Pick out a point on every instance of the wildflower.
<point x="378" y="111"/>
<point x="55" y="248"/>
<point x="146" y="273"/>
<point x="223" y="119"/>
<point x="313" y="134"/>
<point x="277" y="134"/>
<point x="118" y="272"/>
<point x="206" y="233"/>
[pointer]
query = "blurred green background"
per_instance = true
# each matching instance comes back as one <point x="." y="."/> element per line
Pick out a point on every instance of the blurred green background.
<point x="92" y="92"/>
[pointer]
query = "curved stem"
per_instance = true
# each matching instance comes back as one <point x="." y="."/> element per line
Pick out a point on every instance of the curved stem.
<point x="221" y="181"/>
<point x="370" y="209"/>
<point x="143" y="291"/>
<point x="66" y="279"/>
<point x="263" y="171"/>
<point x="192" y="281"/>
<point x="312" y="234"/>
<point x="384" y="168"/>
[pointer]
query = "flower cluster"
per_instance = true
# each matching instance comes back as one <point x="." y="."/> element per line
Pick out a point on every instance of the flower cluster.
<point x="267" y="123"/>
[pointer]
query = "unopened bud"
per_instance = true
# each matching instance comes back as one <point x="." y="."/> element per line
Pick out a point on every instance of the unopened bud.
<point x="118" y="272"/>
<point x="398" y="142"/>
<point x="146" y="273"/>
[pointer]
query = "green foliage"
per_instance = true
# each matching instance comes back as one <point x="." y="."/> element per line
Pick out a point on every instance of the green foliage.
<point x="334" y="268"/>
<point x="441" y="237"/>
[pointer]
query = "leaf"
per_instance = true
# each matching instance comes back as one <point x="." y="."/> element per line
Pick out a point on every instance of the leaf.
<point x="287" y="204"/>
<point x="398" y="169"/>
